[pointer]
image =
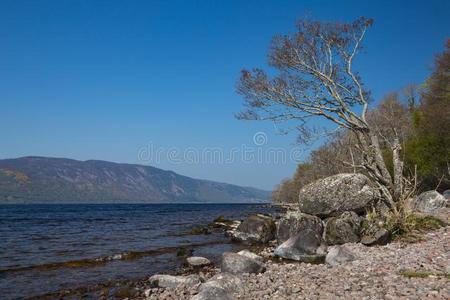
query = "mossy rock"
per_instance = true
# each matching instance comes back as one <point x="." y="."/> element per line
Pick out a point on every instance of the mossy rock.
<point x="343" y="229"/>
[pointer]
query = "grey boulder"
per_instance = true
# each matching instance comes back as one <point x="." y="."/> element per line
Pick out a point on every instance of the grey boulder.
<point x="219" y="287"/>
<point x="255" y="229"/>
<point x="236" y="264"/>
<point x="338" y="255"/>
<point x="446" y="195"/>
<point x="333" y="195"/>
<point x="304" y="247"/>
<point x="429" y="202"/>
<point x="171" y="282"/>
<point x="343" y="229"/>
<point x="294" y="222"/>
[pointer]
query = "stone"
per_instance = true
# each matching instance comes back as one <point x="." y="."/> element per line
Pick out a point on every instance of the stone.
<point x="336" y="194"/>
<point x="197" y="261"/>
<point x="429" y="202"/>
<point x="221" y="222"/>
<point x="338" y="255"/>
<point x="184" y="252"/>
<point x="213" y="293"/>
<point x="251" y="255"/>
<point x="236" y="264"/>
<point x="255" y="229"/>
<point x="294" y="222"/>
<point x="381" y="237"/>
<point x="446" y="195"/>
<point x="171" y="282"/>
<point x="226" y="281"/>
<point x="343" y="229"/>
<point x="220" y="287"/>
<point x="197" y="230"/>
<point x="302" y="247"/>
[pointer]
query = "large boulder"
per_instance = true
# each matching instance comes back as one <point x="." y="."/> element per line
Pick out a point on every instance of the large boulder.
<point x="295" y="222"/>
<point x="236" y="264"/>
<point x="304" y="247"/>
<point x="255" y="229"/>
<point x="429" y="202"/>
<point x="343" y="229"/>
<point x="171" y="282"/>
<point x="219" y="287"/>
<point x="339" y="255"/>
<point x="333" y="195"/>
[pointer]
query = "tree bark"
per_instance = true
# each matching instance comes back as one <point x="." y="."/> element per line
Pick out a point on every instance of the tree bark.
<point x="398" y="170"/>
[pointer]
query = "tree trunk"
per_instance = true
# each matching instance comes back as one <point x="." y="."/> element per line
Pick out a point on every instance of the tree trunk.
<point x="398" y="170"/>
<point x="374" y="164"/>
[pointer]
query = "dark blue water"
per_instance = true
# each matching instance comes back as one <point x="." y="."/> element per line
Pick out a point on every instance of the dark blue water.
<point x="45" y="248"/>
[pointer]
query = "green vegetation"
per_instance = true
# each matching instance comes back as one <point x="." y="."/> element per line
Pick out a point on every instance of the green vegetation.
<point x="424" y="274"/>
<point x="408" y="227"/>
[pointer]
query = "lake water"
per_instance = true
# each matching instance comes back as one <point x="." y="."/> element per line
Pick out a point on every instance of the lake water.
<point x="45" y="248"/>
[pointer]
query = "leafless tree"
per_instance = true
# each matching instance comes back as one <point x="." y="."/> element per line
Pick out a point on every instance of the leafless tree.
<point x="315" y="78"/>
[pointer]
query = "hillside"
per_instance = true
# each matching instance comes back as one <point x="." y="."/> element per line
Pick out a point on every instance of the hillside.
<point x="61" y="180"/>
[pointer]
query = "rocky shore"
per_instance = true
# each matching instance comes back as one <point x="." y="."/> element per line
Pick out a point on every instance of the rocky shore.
<point x="398" y="270"/>
<point x="337" y="244"/>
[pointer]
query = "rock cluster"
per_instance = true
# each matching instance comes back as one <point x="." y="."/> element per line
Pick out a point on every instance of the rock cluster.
<point x="394" y="271"/>
<point x="353" y="271"/>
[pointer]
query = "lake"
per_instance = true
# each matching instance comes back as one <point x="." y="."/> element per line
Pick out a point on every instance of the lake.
<point x="46" y="248"/>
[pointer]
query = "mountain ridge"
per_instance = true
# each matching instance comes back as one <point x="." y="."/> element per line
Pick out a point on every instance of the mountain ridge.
<point x="37" y="179"/>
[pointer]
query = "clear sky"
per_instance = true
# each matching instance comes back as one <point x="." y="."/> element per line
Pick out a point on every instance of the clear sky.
<point x="121" y="80"/>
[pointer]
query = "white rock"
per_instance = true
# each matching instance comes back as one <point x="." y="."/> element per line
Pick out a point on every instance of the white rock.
<point x="198" y="261"/>
<point x="251" y="255"/>
<point x="171" y="282"/>
<point x="339" y="255"/>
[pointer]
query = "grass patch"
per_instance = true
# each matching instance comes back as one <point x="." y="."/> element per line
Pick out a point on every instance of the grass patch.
<point x="423" y="223"/>
<point x="424" y="274"/>
<point x="409" y="228"/>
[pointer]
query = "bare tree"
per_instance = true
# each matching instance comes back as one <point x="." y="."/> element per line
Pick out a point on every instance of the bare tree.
<point x="316" y="79"/>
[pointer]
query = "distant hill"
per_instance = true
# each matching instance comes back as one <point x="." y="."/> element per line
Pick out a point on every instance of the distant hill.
<point x="61" y="180"/>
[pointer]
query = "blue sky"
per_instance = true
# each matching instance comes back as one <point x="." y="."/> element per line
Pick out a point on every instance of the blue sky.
<point x="117" y="80"/>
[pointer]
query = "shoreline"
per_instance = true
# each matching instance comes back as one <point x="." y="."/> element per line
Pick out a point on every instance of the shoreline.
<point x="394" y="271"/>
<point x="397" y="270"/>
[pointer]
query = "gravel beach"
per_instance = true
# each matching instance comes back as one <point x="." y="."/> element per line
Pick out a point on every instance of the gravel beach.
<point x="396" y="271"/>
